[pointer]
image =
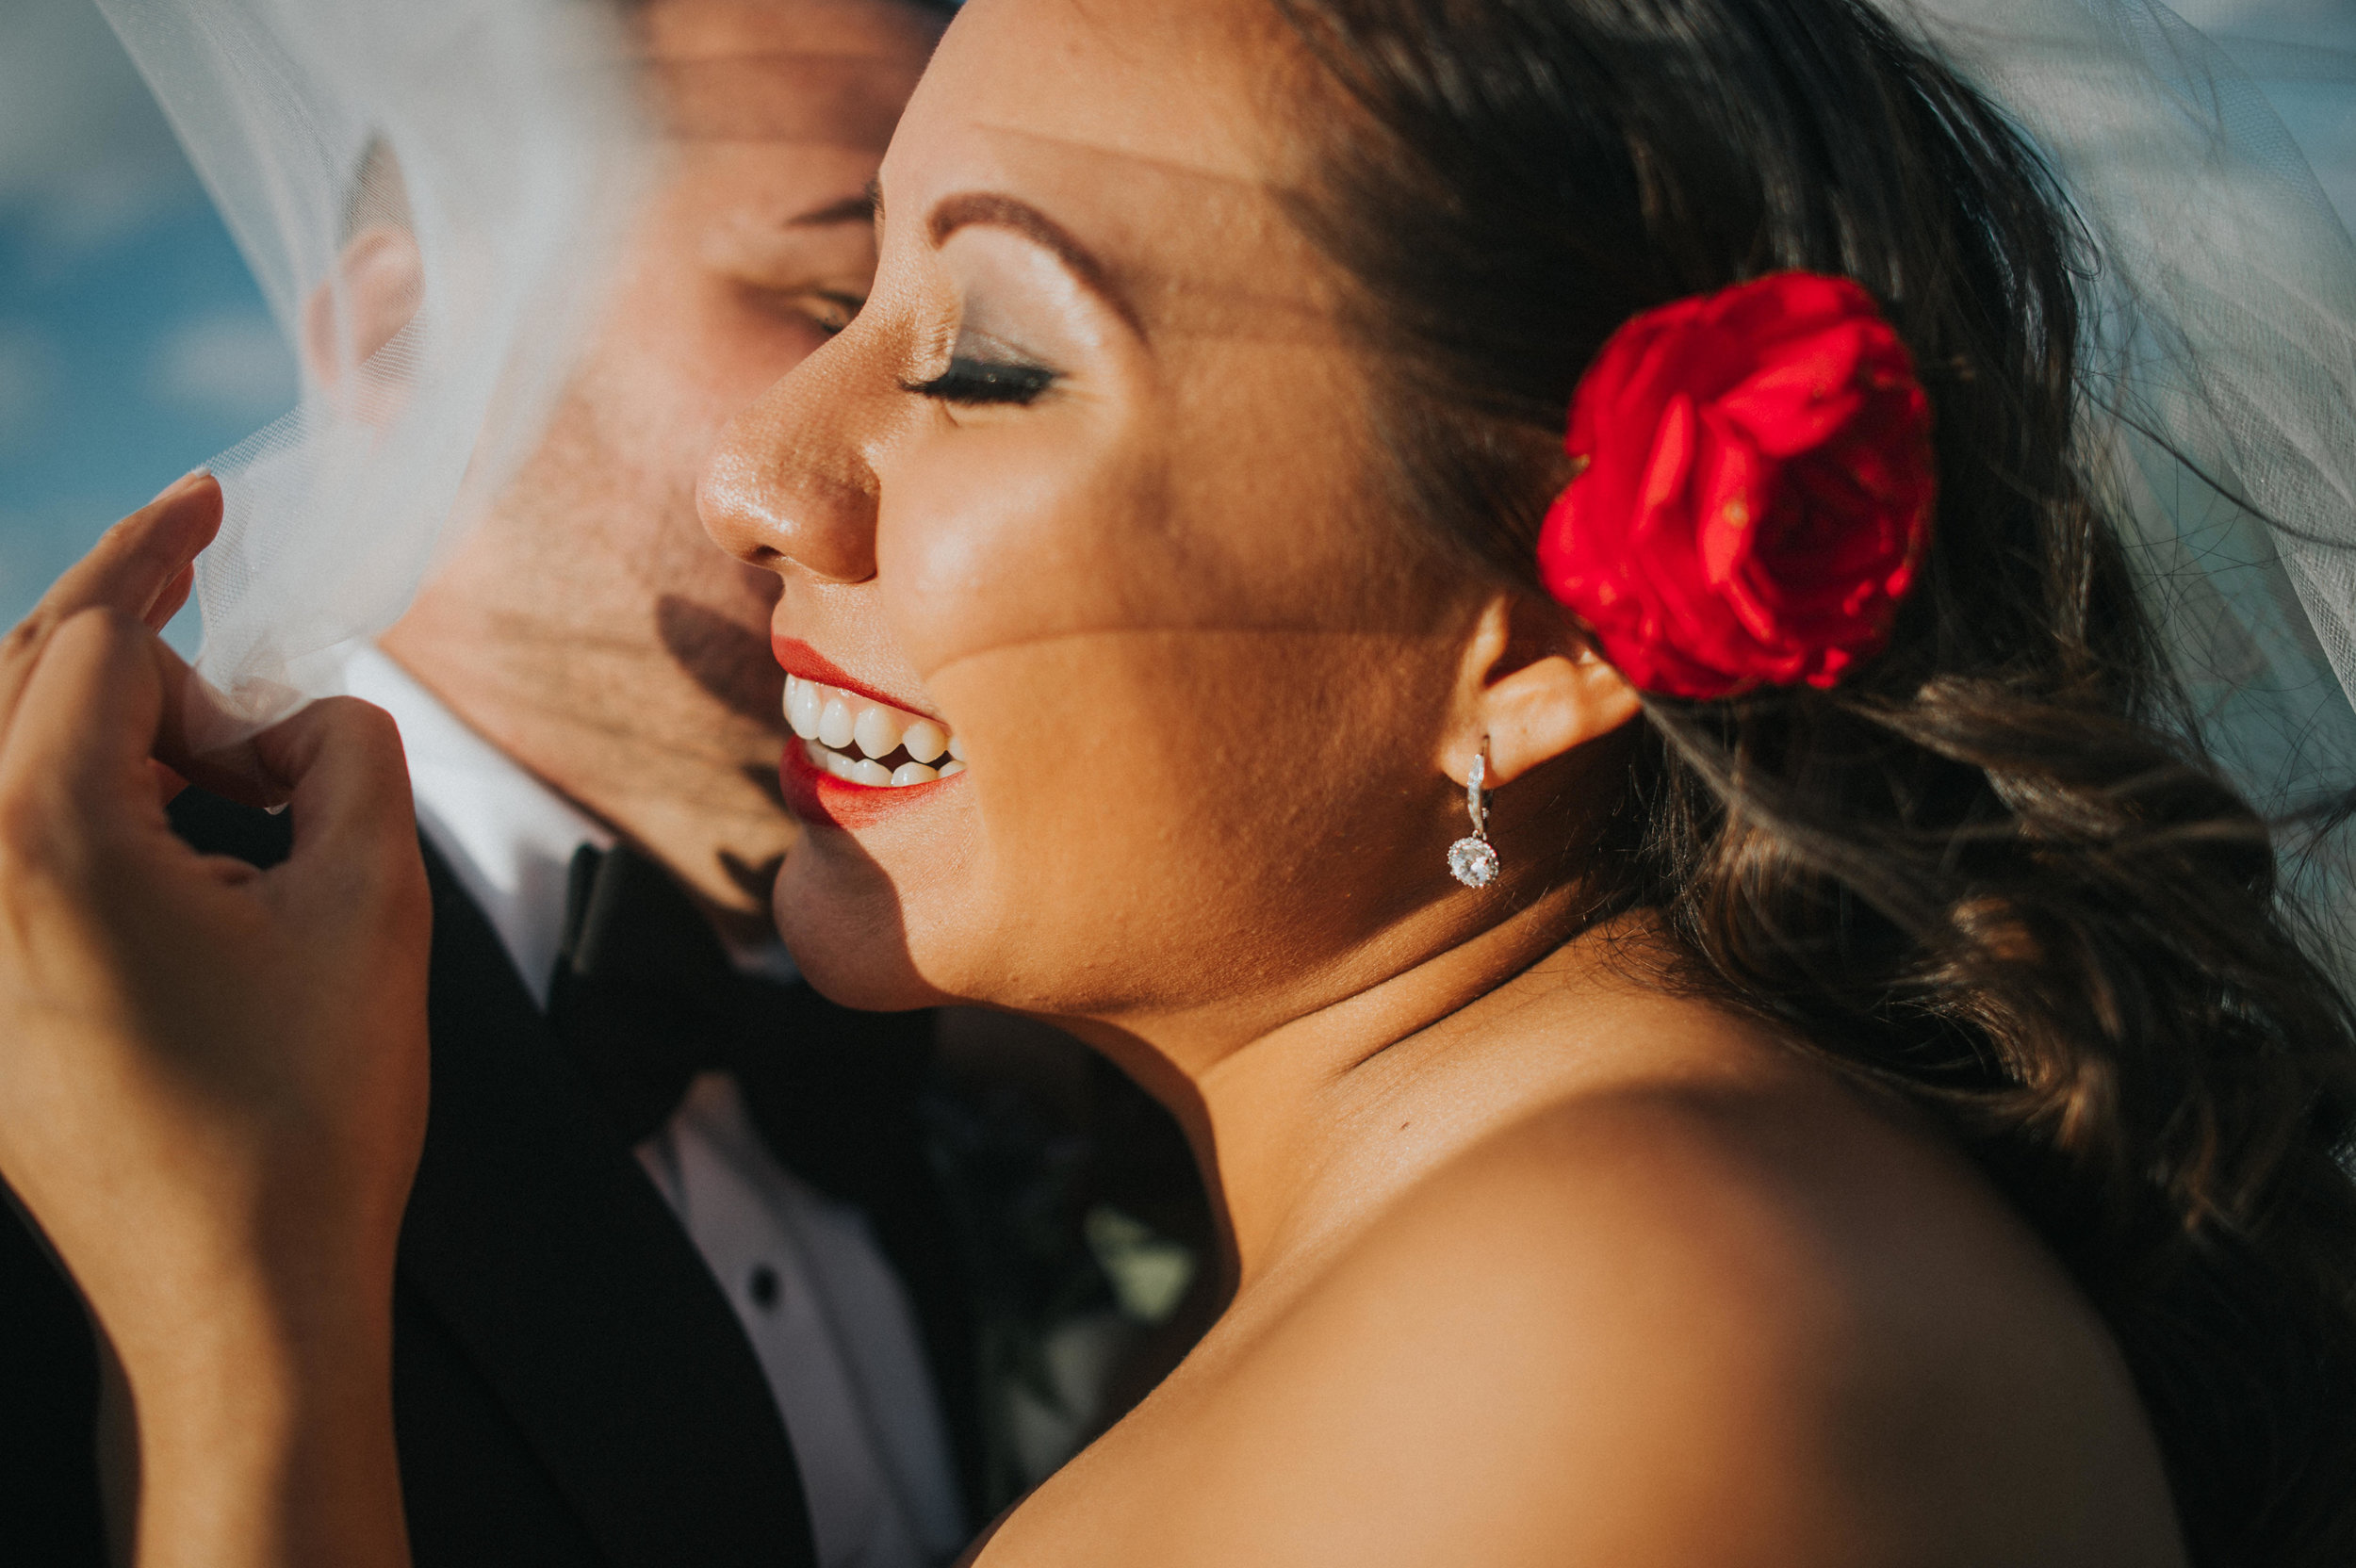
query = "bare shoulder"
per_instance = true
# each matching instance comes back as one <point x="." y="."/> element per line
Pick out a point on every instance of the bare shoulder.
<point x="1759" y="1324"/>
<point x="1663" y="1327"/>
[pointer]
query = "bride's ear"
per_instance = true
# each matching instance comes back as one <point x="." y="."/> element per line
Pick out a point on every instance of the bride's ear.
<point x="1533" y="686"/>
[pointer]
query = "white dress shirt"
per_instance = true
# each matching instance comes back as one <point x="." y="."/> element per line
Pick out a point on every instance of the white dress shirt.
<point x="826" y="1316"/>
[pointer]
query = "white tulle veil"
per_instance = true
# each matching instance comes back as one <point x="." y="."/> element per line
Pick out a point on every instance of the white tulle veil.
<point x="427" y="191"/>
<point x="2220" y="383"/>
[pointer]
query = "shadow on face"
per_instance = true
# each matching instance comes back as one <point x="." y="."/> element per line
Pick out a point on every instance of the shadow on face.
<point x="1091" y="482"/>
<point x="589" y="627"/>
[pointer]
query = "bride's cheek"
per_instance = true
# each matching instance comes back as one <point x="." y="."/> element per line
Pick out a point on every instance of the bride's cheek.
<point x="1158" y="765"/>
<point x="1028" y="527"/>
<point x="1155" y="813"/>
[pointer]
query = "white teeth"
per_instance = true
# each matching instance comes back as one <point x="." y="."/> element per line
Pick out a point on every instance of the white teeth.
<point x="802" y="706"/>
<point x="877" y="731"/>
<point x="831" y="721"/>
<point x="925" y="740"/>
<point x="834" y="722"/>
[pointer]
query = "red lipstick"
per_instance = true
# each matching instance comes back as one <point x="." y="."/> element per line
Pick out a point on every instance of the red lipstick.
<point x="812" y="793"/>
<point x="797" y="658"/>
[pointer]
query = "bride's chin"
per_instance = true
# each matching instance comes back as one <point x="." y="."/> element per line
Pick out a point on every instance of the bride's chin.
<point x="845" y="926"/>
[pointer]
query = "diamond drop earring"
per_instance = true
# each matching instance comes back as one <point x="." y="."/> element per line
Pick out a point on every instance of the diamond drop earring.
<point x="1474" y="861"/>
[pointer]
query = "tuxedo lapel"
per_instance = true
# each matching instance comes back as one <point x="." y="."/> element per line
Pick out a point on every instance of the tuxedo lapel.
<point x="49" y="1507"/>
<point x="551" y="1259"/>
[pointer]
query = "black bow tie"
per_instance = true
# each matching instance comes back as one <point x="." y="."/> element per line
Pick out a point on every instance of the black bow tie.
<point x="645" y="997"/>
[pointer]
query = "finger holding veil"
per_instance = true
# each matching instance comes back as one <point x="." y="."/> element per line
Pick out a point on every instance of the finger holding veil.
<point x="215" y="1091"/>
<point x="215" y="1086"/>
<point x="429" y="196"/>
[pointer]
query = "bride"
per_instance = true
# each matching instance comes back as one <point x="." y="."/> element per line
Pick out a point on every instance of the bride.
<point x="1502" y="602"/>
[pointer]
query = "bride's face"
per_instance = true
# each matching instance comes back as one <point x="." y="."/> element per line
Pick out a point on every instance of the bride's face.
<point x="1088" y="484"/>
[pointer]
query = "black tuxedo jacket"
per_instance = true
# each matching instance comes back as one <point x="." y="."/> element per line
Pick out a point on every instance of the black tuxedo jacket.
<point x="570" y="1386"/>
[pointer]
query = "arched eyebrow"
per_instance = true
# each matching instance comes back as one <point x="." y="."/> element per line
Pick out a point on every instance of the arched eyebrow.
<point x="952" y="213"/>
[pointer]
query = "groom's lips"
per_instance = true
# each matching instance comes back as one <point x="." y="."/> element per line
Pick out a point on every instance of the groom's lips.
<point x="816" y="796"/>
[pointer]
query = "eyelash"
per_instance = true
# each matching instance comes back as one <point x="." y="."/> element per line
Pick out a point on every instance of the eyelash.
<point x="838" y="311"/>
<point x="968" y="382"/>
<point x="823" y="308"/>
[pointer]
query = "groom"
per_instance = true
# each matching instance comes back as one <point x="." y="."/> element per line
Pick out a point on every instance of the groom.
<point x="661" y="1302"/>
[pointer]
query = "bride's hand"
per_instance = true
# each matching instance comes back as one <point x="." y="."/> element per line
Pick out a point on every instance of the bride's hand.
<point x="212" y="1078"/>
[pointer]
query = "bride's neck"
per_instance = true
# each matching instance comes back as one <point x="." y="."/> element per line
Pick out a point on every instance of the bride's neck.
<point x="1296" y="1114"/>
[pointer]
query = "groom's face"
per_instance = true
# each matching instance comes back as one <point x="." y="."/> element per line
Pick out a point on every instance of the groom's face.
<point x="590" y="628"/>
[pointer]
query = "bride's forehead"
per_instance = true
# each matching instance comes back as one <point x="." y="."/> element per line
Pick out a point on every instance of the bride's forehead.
<point x="806" y="99"/>
<point x="712" y="29"/>
<point x="1184" y="82"/>
<point x="1198" y="251"/>
<point x="1103" y="180"/>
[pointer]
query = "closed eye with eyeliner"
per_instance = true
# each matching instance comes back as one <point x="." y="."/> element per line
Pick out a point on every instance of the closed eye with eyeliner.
<point x="985" y="368"/>
<point x="973" y="381"/>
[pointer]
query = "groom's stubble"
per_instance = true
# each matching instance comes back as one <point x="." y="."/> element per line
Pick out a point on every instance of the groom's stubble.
<point x="588" y="627"/>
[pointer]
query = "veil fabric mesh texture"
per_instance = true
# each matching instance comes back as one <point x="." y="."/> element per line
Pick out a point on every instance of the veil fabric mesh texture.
<point x="428" y="194"/>
<point x="2219" y="381"/>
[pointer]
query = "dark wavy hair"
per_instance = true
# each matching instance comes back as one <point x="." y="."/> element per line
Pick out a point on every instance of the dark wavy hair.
<point x="1993" y="872"/>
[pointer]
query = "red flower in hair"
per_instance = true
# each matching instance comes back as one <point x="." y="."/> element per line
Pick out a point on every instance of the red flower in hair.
<point x="1755" y="489"/>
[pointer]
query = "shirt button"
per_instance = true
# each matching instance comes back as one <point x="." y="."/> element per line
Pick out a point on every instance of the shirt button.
<point x="763" y="1286"/>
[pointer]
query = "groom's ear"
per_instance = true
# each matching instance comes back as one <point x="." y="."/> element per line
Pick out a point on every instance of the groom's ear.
<point x="1532" y="683"/>
<point x="376" y="288"/>
<point x="378" y="285"/>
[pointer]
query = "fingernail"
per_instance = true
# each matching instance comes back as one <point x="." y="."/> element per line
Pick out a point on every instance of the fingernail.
<point x="274" y="810"/>
<point x="182" y="482"/>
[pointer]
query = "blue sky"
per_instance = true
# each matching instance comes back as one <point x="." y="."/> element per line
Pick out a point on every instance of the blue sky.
<point x="133" y="344"/>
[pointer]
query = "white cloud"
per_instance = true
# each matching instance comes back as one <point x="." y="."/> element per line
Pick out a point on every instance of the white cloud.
<point x="235" y="366"/>
<point x="29" y="377"/>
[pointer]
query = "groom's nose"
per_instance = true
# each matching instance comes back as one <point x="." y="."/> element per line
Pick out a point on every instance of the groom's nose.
<point x="788" y="487"/>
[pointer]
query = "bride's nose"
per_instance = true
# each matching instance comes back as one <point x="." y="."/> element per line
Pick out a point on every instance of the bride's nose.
<point x="788" y="487"/>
